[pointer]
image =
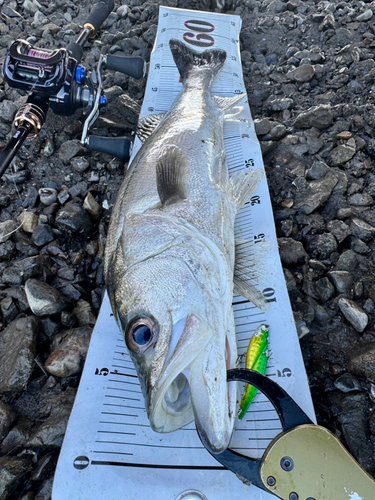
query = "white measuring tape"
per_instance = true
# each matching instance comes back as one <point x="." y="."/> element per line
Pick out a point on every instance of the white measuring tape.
<point x="110" y="451"/>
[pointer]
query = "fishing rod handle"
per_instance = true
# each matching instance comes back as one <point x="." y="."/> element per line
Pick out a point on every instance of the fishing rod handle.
<point x="131" y="66"/>
<point x="99" y="14"/>
<point x="13" y="146"/>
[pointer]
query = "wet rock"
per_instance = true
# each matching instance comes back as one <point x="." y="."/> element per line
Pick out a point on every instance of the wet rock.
<point x="291" y="251"/>
<point x="353" y="415"/>
<point x="84" y="313"/>
<point x="52" y="430"/>
<point x="29" y="221"/>
<point x="342" y="280"/>
<point x="47" y="196"/>
<point x="9" y="309"/>
<point x="7" y="418"/>
<point x="12" y="471"/>
<point x="301" y="74"/>
<point x="44" y="299"/>
<point x="70" y="355"/>
<point x="324" y="289"/>
<point x="17" y="352"/>
<point x="321" y="245"/>
<point x="42" y="235"/>
<point x="317" y="171"/>
<point x="365" y="16"/>
<point x="361" y="200"/>
<point x="314" y="194"/>
<point x="354" y="314"/>
<point x="340" y="155"/>
<point x="318" y="116"/>
<point x="263" y="126"/>
<point x="348" y="261"/>
<point x="74" y="219"/>
<point x="339" y="229"/>
<point x="6" y="229"/>
<point x="70" y="149"/>
<point x="347" y="383"/>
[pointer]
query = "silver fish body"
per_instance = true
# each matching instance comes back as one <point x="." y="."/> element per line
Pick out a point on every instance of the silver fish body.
<point x="170" y="257"/>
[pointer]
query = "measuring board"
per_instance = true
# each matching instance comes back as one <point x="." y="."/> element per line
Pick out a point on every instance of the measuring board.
<point x="110" y="451"/>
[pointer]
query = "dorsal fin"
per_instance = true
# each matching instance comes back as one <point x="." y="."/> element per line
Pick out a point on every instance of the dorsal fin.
<point x="243" y="184"/>
<point x="227" y="103"/>
<point x="148" y="124"/>
<point x="172" y="174"/>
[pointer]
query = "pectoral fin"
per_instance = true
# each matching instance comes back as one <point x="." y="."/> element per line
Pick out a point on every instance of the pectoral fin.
<point x="172" y="174"/>
<point x="148" y="124"/>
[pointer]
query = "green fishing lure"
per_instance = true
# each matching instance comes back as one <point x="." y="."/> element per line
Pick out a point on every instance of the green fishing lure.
<point x="256" y="359"/>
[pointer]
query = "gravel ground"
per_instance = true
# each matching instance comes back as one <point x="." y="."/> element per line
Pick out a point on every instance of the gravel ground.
<point x="309" y="72"/>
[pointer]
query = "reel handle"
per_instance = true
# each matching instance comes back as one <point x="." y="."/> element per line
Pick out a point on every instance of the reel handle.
<point x="99" y="14"/>
<point x="131" y="66"/>
<point x="119" y="147"/>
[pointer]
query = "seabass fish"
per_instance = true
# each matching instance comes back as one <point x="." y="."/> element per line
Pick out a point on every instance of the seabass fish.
<point x="170" y="256"/>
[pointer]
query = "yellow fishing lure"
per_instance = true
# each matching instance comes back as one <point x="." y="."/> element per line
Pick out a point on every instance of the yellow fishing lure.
<point x="256" y="359"/>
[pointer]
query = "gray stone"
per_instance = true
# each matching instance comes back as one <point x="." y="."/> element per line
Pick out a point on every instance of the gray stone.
<point x="17" y="352"/>
<point x="359" y="246"/>
<point x="31" y="197"/>
<point x="9" y="309"/>
<point x="347" y="383"/>
<point x="45" y="492"/>
<point x="70" y="355"/>
<point x="74" y="219"/>
<point x="7" y="111"/>
<point x="7" y="418"/>
<point x="70" y="149"/>
<point x="348" y="261"/>
<point x="6" y="229"/>
<point x="317" y="171"/>
<point x="339" y="229"/>
<point x="328" y="23"/>
<point x="301" y="74"/>
<point x="78" y="189"/>
<point x="342" y="280"/>
<point x="80" y="164"/>
<point x="354" y="314"/>
<point x="362" y="361"/>
<point x="365" y="16"/>
<point x="7" y="250"/>
<point x="314" y="194"/>
<point x="63" y="196"/>
<point x="361" y="229"/>
<point x="321" y="245"/>
<point x="84" y="313"/>
<point x="361" y="200"/>
<point x="122" y="11"/>
<point x="291" y="251"/>
<point x="262" y="126"/>
<point x="369" y="306"/>
<point x="29" y="221"/>
<point x="12" y="471"/>
<point x="274" y="103"/>
<point x="31" y="6"/>
<point x="49" y="146"/>
<point x="276" y="133"/>
<point x="42" y="235"/>
<point x="318" y="116"/>
<point x="324" y="289"/>
<point x="340" y="155"/>
<point x="44" y="299"/>
<point x="47" y="196"/>
<point x="322" y="318"/>
<point x="51" y="432"/>
<point x="17" y="438"/>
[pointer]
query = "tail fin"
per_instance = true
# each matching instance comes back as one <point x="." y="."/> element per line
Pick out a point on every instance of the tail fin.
<point x="186" y="58"/>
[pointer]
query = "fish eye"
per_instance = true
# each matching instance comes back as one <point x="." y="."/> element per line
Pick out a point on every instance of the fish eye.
<point x="139" y="334"/>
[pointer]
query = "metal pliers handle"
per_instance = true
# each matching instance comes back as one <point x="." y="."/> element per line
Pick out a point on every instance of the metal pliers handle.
<point x="305" y="461"/>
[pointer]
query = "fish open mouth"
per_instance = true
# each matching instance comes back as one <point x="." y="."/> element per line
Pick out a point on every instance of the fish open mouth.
<point x="177" y="398"/>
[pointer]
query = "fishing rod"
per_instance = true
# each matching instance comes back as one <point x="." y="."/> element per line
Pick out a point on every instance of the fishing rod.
<point x="56" y="80"/>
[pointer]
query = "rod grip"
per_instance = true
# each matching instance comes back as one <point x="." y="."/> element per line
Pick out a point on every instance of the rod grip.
<point x="120" y="147"/>
<point x="131" y="66"/>
<point x="99" y="14"/>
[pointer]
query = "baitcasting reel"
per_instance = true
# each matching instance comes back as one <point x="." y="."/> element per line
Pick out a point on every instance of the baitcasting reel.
<point x="57" y="80"/>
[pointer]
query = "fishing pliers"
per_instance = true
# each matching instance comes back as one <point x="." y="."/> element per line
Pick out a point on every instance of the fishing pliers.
<point x="305" y="461"/>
